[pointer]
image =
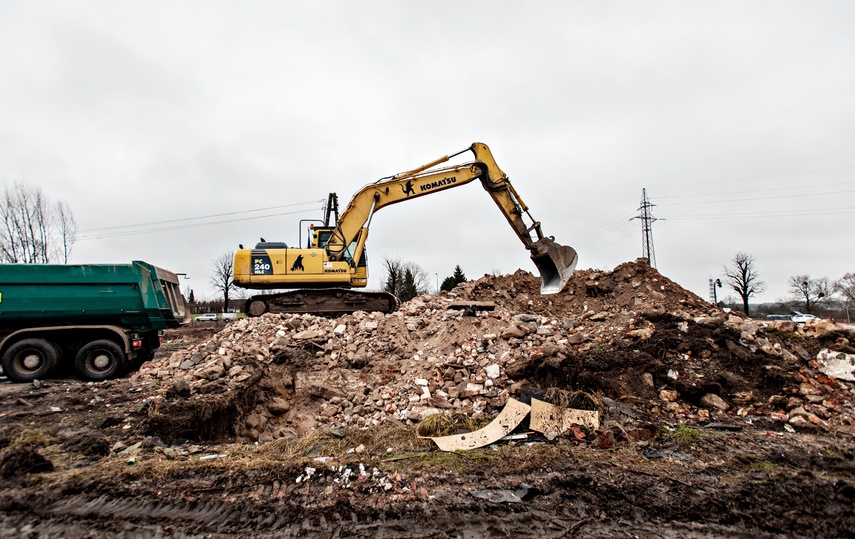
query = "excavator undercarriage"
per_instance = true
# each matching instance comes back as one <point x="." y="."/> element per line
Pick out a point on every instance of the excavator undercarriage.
<point x="321" y="301"/>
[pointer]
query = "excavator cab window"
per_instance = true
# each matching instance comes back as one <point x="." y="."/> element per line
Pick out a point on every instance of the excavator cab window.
<point x="348" y="253"/>
<point x="322" y="237"/>
<point x="348" y="256"/>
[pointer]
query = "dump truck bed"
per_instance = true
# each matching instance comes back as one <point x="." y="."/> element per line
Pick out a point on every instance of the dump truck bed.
<point x="137" y="295"/>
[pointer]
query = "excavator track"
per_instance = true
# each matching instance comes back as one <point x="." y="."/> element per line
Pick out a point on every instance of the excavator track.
<point x="323" y="301"/>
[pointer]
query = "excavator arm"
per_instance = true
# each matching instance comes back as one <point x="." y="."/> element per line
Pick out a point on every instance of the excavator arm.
<point x="555" y="262"/>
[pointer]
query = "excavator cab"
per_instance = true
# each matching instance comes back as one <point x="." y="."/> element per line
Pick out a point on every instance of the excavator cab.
<point x="319" y="236"/>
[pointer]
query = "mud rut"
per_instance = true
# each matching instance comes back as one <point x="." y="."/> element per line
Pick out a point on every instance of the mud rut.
<point x="594" y="497"/>
<point x="572" y="492"/>
<point x="754" y="481"/>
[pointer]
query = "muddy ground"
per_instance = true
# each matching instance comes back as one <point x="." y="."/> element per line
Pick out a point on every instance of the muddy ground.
<point x="252" y="449"/>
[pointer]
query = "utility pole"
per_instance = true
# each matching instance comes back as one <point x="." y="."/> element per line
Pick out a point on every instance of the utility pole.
<point x="713" y="294"/>
<point x="646" y="229"/>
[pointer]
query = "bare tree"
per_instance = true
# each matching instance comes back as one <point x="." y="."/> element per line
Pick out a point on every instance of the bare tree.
<point x="846" y="287"/>
<point x="222" y="278"/>
<point x="66" y="230"/>
<point x="809" y="293"/>
<point x="242" y="294"/>
<point x="25" y="227"/>
<point x="394" y="275"/>
<point x="743" y="278"/>
<point x="420" y="279"/>
<point x="404" y="279"/>
<point x="31" y="230"/>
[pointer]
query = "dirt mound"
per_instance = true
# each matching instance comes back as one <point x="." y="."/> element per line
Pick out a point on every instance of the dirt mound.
<point x="649" y="349"/>
<point x="630" y="287"/>
<point x="23" y="460"/>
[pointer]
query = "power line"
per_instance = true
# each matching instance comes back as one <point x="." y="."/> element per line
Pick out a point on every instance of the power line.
<point x="601" y="247"/>
<point x="606" y="225"/>
<point x="182" y="227"/>
<point x="800" y="195"/>
<point x="606" y="222"/>
<point x="775" y="213"/>
<point x="778" y="188"/>
<point x="604" y="215"/>
<point x="615" y="225"/>
<point x="152" y="223"/>
<point x="759" y="177"/>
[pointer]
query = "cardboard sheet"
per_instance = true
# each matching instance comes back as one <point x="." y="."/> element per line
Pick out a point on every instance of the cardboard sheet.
<point x="548" y="418"/>
<point x="511" y="416"/>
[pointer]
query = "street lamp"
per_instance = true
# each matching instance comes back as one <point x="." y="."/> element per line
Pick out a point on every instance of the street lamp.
<point x="714" y="295"/>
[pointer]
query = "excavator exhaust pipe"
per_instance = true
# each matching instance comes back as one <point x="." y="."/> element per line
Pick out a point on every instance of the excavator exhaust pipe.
<point x="555" y="262"/>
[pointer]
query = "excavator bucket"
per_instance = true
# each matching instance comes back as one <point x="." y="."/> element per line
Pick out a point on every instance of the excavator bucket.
<point x="555" y="262"/>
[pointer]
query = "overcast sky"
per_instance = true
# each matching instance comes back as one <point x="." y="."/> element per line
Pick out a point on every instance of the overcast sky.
<point x="238" y="118"/>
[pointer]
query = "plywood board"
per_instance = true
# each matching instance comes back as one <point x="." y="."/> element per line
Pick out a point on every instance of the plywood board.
<point x="511" y="416"/>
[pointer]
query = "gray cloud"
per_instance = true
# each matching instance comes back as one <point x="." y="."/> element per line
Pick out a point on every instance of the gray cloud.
<point x="146" y="113"/>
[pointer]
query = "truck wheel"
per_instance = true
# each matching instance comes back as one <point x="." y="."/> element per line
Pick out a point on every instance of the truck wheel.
<point x="29" y="359"/>
<point x="100" y="360"/>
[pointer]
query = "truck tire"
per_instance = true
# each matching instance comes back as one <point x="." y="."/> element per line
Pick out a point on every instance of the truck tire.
<point x="100" y="360"/>
<point x="29" y="359"/>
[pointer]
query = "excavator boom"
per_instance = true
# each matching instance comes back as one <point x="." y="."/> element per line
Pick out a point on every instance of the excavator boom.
<point x="554" y="261"/>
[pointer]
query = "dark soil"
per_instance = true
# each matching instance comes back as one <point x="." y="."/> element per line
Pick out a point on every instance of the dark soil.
<point x="107" y="459"/>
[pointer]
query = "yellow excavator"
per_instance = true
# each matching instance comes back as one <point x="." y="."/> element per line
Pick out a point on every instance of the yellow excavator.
<point x="324" y="273"/>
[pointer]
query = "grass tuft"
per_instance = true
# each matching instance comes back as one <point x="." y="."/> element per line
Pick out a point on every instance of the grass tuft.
<point x="579" y="400"/>
<point x="446" y="424"/>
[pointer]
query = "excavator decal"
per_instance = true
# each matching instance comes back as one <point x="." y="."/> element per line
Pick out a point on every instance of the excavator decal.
<point x="261" y="263"/>
<point x="298" y="264"/>
<point x="408" y="189"/>
<point x="438" y="183"/>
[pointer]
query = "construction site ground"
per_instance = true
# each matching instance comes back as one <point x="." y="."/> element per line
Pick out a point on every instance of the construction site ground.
<point x="711" y="425"/>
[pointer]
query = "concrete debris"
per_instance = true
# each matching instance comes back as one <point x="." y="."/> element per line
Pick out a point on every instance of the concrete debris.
<point x="711" y="400"/>
<point x="626" y="334"/>
<point x="837" y="364"/>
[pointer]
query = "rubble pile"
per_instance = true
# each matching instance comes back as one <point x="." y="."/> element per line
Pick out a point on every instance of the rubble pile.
<point x="652" y="350"/>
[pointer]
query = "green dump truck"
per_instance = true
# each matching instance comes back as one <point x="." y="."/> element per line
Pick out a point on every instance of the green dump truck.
<point x="100" y="319"/>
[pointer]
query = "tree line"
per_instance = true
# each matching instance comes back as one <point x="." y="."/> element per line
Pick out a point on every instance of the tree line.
<point x="34" y="230"/>
<point x="806" y="294"/>
<point x="408" y="280"/>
